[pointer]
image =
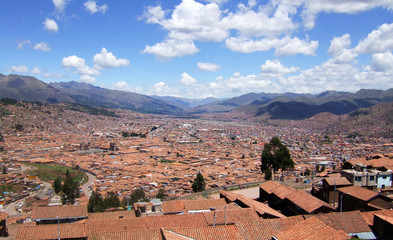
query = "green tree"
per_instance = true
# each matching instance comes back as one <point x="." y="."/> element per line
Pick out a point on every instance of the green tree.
<point x="70" y="189"/>
<point x="137" y="195"/>
<point x="276" y="156"/>
<point x="111" y="201"/>
<point x="268" y="174"/>
<point x="199" y="183"/>
<point x="95" y="203"/>
<point x="57" y="185"/>
<point x="317" y="168"/>
<point x="4" y="171"/>
<point x="307" y="172"/>
<point x="323" y="168"/>
<point x="160" y="194"/>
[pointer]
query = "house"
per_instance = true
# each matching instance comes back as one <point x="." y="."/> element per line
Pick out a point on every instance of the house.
<point x="327" y="188"/>
<point x="357" y="198"/>
<point x="148" y="208"/>
<point x="191" y="206"/>
<point x="262" y="209"/>
<point x="384" y="179"/>
<point x="312" y="228"/>
<point x="352" y="223"/>
<point x="58" y="214"/>
<point x="291" y="201"/>
<point x="361" y="176"/>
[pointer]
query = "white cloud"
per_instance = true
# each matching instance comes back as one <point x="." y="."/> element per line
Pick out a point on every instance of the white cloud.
<point x="123" y="86"/>
<point x="284" y="47"/>
<point x="50" y="25"/>
<point x="187" y="80"/>
<point x="23" y="43"/>
<point x="60" y="4"/>
<point x="18" y="69"/>
<point x="275" y="67"/>
<point x="312" y="8"/>
<point x="382" y="61"/>
<point x="172" y="48"/>
<point x="36" y="70"/>
<point x="92" y="7"/>
<point x="162" y="88"/>
<point x="377" y="41"/>
<point x="210" y="67"/>
<point x="87" y="79"/>
<point x="337" y="44"/>
<point x="106" y="59"/>
<point x="80" y="65"/>
<point x="54" y="75"/>
<point x="42" y="46"/>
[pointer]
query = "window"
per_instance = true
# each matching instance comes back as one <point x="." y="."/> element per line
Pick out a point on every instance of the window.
<point x="371" y="178"/>
<point x="384" y="177"/>
<point x="358" y="178"/>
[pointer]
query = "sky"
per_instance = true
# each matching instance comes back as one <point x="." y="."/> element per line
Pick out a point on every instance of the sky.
<point x="205" y="48"/>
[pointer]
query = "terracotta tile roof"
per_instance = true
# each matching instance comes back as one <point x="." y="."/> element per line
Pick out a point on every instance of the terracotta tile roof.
<point x="208" y="233"/>
<point x="185" y="220"/>
<point x="50" y="231"/>
<point x="385" y="218"/>
<point x="266" y="228"/>
<point x="282" y="191"/>
<point x="359" y="192"/>
<point x="3" y="215"/>
<point x="153" y="234"/>
<point x="59" y="211"/>
<point x="172" y="206"/>
<point x="306" y="201"/>
<point x="168" y="235"/>
<point x="231" y="197"/>
<point x="232" y="216"/>
<point x="339" y="181"/>
<point x="111" y="215"/>
<point x="312" y="228"/>
<point x="259" y="207"/>
<point x="269" y="186"/>
<point x="369" y="216"/>
<point x="349" y="222"/>
<point x="191" y="205"/>
<point x="119" y="224"/>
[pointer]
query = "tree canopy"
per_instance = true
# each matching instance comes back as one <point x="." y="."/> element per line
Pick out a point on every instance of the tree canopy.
<point x="199" y="183"/>
<point x="276" y="156"/>
<point x="95" y="203"/>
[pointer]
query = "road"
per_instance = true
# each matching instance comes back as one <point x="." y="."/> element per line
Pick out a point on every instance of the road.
<point x="85" y="187"/>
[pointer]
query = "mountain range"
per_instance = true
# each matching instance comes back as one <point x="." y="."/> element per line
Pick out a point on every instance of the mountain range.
<point x="270" y="105"/>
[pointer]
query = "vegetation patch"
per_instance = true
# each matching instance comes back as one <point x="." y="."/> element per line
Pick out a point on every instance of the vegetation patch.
<point x="50" y="172"/>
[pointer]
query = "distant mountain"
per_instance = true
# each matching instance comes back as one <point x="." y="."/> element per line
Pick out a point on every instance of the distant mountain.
<point x="30" y="89"/>
<point x="90" y="95"/>
<point x="307" y="106"/>
<point x="184" y="103"/>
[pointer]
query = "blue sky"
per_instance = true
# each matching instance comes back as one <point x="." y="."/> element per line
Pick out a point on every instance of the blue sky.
<point x="206" y="48"/>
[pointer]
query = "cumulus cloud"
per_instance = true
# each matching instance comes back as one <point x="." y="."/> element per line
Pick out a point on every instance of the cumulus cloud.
<point x="106" y="59"/>
<point x="172" y="48"/>
<point x="79" y="64"/>
<point x="18" y="69"/>
<point x="162" y="88"/>
<point x="36" y="70"/>
<point x="377" y="41"/>
<point x="275" y="67"/>
<point x="50" y="25"/>
<point x="187" y="80"/>
<point x="210" y="67"/>
<point x="87" y="79"/>
<point x="123" y="86"/>
<point x="60" y="4"/>
<point x="312" y="8"/>
<point x="382" y="61"/>
<point x="92" y="7"/>
<point x="42" y="46"/>
<point x="284" y="47"/>
<point x="23" y="43"/>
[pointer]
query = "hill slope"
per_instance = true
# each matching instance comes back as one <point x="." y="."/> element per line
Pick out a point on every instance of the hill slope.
<point x="30" y="89"/>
